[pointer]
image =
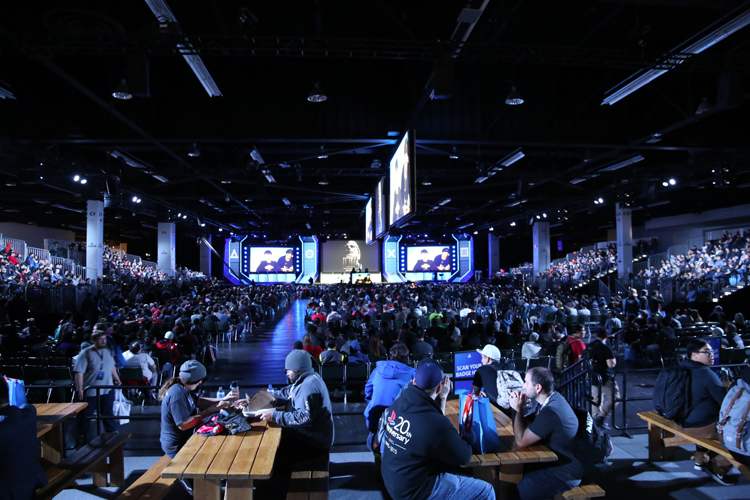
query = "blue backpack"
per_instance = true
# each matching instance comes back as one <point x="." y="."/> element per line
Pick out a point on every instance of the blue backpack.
<point x="732" y="429"/>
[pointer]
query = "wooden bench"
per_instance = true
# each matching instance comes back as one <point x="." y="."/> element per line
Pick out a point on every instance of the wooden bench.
<point x="150" y="485"/>
<point x="664" y="435"/>
<point x="102" y="456"/>
<point x="309" y="479"/>
<point x="580" y="492"/>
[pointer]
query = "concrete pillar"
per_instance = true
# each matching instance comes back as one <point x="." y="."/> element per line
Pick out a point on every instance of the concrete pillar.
<point x="541" y="247"/>
<point x="94" y="239"/>
<point x="166" y="241"/>
<point x="624" y="241"/>
<point x="205" y="261"/>
<point x="493" y="245"/>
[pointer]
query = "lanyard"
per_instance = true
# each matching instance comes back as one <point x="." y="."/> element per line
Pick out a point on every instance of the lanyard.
<point x="101" y="359"/>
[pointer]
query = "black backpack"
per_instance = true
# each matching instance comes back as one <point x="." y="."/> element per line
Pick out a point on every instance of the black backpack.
<point x="591" y="445"/>
<point x="672" y="393"/>
<point x="564" y="354"/>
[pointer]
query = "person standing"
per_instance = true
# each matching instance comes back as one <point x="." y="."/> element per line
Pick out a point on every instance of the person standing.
<point x="604" y="362"/>
<point x="556" y="424"/>
<point x="96" y="366"/>
<point x="421" y="445"/>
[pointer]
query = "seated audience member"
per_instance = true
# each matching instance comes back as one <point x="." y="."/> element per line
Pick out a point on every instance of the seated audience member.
<point x="20" y="471"/>
<point x="485" y="378"/>
<point x="355" y="355"/>
<point x="384" y="384"/>
<point x="164" y="358"/>
<point x="532" y="347"/>
<point x="179" y="407"/>
<point x="556" y="425"/>
<point x="707" y="394"/>
<point x="310" y="347"/>
<point x="419" y="466"/>
<point x="141" y="360"/>
<point x="331" y="356"/>
<point x="421" y="347"/>
<point x="307" y="418"/>
<point x="168" y="345"/>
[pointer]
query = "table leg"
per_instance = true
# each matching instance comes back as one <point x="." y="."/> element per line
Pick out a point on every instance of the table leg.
<point x="239" y="489"/>
<point x="117" y="468"/>
<point x="206" y="489"/>
<point x="655" y="448"/>
<point x="53" y="445"/>
<point x="507" y="476"/>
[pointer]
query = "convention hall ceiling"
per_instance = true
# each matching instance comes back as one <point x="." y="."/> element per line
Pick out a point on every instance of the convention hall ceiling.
<point x="380" y="64"/>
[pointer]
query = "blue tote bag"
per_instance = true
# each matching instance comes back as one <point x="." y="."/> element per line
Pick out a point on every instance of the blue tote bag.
<point x="16" y="392"/>
<point x="475" y="418"/>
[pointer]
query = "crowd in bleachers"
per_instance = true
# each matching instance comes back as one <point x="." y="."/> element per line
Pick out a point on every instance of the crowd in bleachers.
<point x="724" y="261"/>
<point x="584" y="264"/>
<point x="31" y="270"/>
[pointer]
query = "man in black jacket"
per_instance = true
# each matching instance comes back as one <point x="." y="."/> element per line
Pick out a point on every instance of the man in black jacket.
<point x="421" y="445"/>
<point x="707" y="394"/>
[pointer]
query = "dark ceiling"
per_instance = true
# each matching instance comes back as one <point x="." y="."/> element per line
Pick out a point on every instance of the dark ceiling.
<point x="377" y="62"/>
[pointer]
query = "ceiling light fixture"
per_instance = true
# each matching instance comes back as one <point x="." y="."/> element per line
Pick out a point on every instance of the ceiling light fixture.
<point x="5" y="93"/>
<point x="514" y="98"/>
<point x="512" y="224"/>
<point x="286" y="201"/>
<point x="512" y="158"/>
<point x="255" y="155"/>
<point x="121" y="91"/>
<point x="704" y="107"/>
<point x="480" y="180"/>
<point x="444" y="202"/>
<point x="322" y="155"/>
<point x="676" y="57"/>
<point x="323" y="181"/>
<point x="655" y="137"/>
<point x="578" y="181"/>
<point x="621" y="164"/>
<point x="130" y="161"/>
<point x="316" y="95"/>
<point x="454" y="154"/>
<point x="426" y="181"/>
<point x="194" y="151"/>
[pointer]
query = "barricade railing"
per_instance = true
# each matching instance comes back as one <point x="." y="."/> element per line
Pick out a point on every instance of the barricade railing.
<point x="575" y="384"/>
<point x="41" y="253"/>
<point x="17" y="245"/>
<point x="624" y="399"/>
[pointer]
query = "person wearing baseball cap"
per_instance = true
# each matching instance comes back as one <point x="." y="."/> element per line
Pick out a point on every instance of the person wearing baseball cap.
<point x="422" y="446"/>
<point x="180" y="407"/>
<point x="485" y="378"/>
<point x="307" y="417"/>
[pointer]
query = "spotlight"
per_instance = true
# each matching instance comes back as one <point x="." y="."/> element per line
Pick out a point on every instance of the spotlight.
<point x="122" y="92"/>
<point x="316" y="94"/>
<point x="83" y="181"/>
<point x="665" y="184"/>
<point x="672" y="182"/>
<point x="76" y="178"/>
<point x="194" y="151"/>
<point x="512" y="224"/>
<point x="454" y="154"/>
<point x="514" y="98"/>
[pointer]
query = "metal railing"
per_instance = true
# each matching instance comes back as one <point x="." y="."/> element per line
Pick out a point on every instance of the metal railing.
<point x="575" y="384"/>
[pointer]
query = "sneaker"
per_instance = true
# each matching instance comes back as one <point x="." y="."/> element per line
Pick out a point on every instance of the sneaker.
<point x="719" y="478"/>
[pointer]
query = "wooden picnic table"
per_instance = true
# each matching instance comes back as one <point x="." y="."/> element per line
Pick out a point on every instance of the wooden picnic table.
<point x="49" y="428"/>
<point x="238" y="459"/>
<point x="504" y="465"/>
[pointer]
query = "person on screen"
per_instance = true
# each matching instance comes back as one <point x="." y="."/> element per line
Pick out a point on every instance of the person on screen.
<point x="268" y="265"/>
<point x="352" y="256"/>
<point x="443" y="261"/>
<point x="424" y="263"/>
<point x="286" y="262"/>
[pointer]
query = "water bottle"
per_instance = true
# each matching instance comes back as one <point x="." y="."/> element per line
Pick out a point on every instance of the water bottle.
<point x="270" y="389"/>
<point x="235" y="389"/>
<point x="220" y="393"/>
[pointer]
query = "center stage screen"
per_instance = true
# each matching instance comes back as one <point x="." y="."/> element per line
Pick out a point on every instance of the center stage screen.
<point x="271" y="260"/>
<point x="428" y="258"/>
<point x="343" y="256"/>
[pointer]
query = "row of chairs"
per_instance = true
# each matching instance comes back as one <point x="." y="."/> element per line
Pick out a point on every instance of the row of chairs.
<point x="58" y="376"/>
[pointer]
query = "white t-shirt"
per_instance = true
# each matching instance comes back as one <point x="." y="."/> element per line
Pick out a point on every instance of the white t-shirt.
<point x="142" y="361"/>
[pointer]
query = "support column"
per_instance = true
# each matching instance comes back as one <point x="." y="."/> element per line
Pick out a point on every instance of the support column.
<point x="94" y="239"/>
<point x="541" y="247"/>
<point x="166" y="262"/>
<point x="624" y="241"/>
<point x="205" y="263"/>
<point x="493" y="245"/>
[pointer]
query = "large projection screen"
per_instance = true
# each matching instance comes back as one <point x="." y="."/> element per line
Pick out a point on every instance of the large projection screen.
<point x="344" y="255"/>
<point x="380" y="209"/>
<point x="402" y="189"/>
<point x="369" y="231"/>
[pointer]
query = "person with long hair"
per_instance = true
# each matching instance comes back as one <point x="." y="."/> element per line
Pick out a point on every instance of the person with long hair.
<point x="180" y="407"/>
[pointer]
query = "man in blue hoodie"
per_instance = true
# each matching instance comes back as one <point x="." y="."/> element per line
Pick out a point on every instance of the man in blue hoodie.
<point x="421" y="446"/>
<point x="385" y="384"/>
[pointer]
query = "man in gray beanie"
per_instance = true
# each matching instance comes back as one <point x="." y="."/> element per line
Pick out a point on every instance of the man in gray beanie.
<point x="307" y="417"/>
